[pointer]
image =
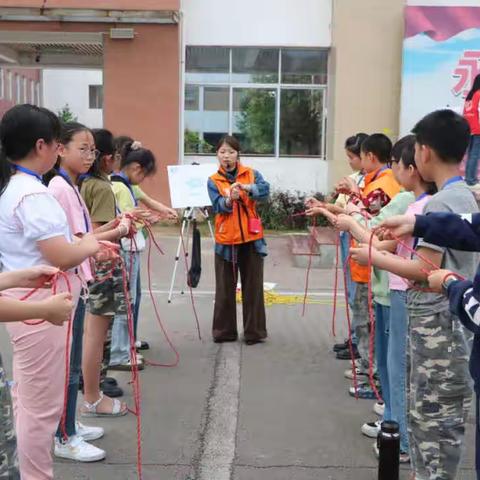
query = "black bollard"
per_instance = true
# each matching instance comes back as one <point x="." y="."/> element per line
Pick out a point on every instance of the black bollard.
<point x="389" y="448"/>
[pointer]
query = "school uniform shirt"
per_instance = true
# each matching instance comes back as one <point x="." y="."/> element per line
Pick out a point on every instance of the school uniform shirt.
<point x="29" y="213"/>
<point x="455" y="198"/>
<point x="398" y="206"/>
<point x="415" y="208"/>
<point x="99" y="198"/>
<point x="68" y="196"/>
<point x="125" y="203"/>
<point x="379" y="189"/>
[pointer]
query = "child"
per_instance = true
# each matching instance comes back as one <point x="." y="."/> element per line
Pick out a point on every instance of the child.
<point x="463" y="233"/>
<point x="34" y="231"/>
<point x="352" y="149"/>
<point x="379" y="189"/>
<point x="55" y="310"/>
<point x="391" y="332"/>
<point x="76" y="156"/>
<point x="136" y="164"/>
<point x="106" y="295"/>
<point x="440" y="393"/>
<point x="164" y="212"/>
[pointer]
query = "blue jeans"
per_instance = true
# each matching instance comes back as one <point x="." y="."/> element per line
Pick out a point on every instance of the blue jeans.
<point x="75" y="369"/>
<point x="120" y="348"/>
<point x="345" y="251"/>
<point x="397" y="363"/>
<point x="472" y="160"/>
<point x="351" y="285"/>
<point x="382" y="332"/>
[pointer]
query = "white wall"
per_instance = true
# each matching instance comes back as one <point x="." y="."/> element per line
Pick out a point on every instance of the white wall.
<point x="70" y="87"/>
<point x="307" y="175"/>
<point x="302" y="23"/>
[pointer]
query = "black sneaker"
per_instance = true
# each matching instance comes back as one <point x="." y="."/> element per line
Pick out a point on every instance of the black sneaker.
<point x="110" y="390"/>
<point x="340" y="346"/>
<point x="345" y="354"/>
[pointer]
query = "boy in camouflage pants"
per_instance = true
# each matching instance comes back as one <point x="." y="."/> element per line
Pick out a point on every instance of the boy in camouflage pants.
<point x="439" y="386"/>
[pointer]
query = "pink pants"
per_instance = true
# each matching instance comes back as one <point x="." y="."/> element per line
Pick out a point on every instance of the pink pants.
<point x="38" y="391"/>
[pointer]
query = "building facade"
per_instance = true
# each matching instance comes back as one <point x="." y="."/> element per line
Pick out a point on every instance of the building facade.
<point x="291" y="79"/>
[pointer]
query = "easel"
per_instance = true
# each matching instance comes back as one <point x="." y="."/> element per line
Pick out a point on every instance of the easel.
<point x="189" y="214"/>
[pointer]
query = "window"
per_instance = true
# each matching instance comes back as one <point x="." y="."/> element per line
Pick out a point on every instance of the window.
<point x="37" y="98"/>
<point x="18" y="91"/>
<point x="32" y="92"/>
<point x="95" y="95"/>
<point x="272" y="99"/>
<point x="24" y="90"/>
<point x="9" y="86"/>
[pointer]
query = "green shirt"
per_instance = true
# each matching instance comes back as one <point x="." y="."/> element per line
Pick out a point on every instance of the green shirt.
<point x="99" y="198"/>
<point x="397" y="206"/>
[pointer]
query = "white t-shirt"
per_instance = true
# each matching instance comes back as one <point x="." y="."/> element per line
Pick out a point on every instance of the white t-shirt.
<point x="28" y="213"/>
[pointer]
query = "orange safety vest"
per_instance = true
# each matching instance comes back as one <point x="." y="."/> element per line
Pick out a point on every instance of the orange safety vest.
<point x="385" y="180"/>
<point x="233" y="228"/>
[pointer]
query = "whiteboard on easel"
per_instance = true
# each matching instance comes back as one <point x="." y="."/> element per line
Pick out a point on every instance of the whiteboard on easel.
<point x="188" y="184"/>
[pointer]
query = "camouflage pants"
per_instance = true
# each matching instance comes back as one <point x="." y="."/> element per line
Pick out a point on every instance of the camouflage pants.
<point x="361" y="325"/>
<point x="439" y="394"/>
<point x="8" y="443"/>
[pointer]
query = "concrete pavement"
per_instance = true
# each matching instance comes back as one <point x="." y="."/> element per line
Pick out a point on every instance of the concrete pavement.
<point x="277" y="411"/>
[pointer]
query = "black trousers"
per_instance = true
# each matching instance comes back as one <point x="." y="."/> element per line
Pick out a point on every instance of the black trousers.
<point x="250" y="265"/>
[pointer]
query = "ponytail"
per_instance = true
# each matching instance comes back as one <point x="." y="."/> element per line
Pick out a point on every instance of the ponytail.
<point x="6" y="171"/>
<point x="133" y="152"/>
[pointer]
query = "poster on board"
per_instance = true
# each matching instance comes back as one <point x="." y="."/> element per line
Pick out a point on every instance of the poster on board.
<point x="188" y="184"/>
<point x="441" y="57"/>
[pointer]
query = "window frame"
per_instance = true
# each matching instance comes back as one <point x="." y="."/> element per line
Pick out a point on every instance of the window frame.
<point x="276" y="86"/>
<point x="98" y="96"/>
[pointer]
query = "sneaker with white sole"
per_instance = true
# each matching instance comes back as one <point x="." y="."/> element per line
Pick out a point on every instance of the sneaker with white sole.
<point x="359" y="374"/>
<point x="379" y="409"/>
<point x="76" y="448"/>
<point x="372" y="429"/>
<point x="89" y="433"/>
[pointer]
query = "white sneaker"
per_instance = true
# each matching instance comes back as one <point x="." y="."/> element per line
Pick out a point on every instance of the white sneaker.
<point x="76" y="448"/>
<point x="372" y="429"/>
<point x="379" y="408"/>
<point x="361" y="376"/>
<point x="140" y="358"/>
<point x="89" y="433"/>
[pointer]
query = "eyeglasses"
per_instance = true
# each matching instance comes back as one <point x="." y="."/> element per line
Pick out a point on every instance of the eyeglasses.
<point x="86" y="152"/>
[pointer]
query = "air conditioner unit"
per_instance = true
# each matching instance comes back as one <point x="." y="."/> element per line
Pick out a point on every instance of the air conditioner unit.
<point x="122" y="33"/>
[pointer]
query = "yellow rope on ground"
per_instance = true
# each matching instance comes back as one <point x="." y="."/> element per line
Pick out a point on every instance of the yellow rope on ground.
<point x="273" y="298"/>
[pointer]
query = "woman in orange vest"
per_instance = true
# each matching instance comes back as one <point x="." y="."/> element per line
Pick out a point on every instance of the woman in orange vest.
<point x="239" y="245"/>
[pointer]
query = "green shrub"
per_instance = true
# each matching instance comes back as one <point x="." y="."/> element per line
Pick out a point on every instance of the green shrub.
<point x="277" y="213"/>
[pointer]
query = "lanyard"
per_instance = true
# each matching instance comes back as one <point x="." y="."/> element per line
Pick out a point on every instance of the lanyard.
<point x="455" y="179"/>
<point x="65" y="176"/>
<point x="378" y="173"/>
<point x="19" y="168"/>
<point x="421" y="197"/>
<point x="127" y="183"/>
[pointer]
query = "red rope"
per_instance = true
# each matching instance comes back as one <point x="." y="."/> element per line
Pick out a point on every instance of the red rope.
<point x="349" y="324"/>
<point x="335" y="288"/>
<point x="134" y="370"/>
<point x="155" y="308"/>
<point x="309" y="267"/>
<point x="372" y="321"/>
<point x="53" y="280"/>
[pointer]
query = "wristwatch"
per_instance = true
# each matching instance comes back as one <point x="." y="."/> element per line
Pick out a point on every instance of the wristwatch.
<point x="449" y="279"/>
